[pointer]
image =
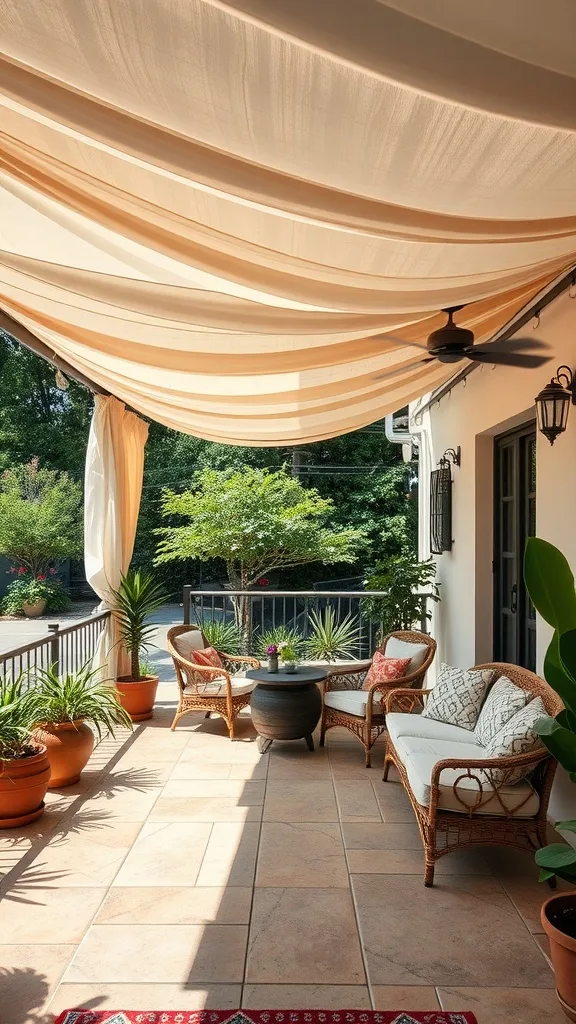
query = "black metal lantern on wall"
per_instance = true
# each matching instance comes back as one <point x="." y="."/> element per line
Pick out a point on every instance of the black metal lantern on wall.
<point x="441" y="502"/>
<point x="553" y="403"/>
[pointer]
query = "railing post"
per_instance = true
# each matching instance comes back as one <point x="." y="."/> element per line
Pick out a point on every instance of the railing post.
<point x="186" y="592"/>
<point x="54" y="628"/>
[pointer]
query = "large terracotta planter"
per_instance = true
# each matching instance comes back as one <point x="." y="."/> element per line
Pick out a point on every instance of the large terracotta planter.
<point x="138" y="698"/>
<point x="23" y="785"/>
<point x="32" y="611"/>
<point x="559" y="922"/>
<point x="69" y="745"/>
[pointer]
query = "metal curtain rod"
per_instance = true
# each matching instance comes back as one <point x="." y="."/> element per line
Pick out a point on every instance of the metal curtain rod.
<point x="31" y="342"/>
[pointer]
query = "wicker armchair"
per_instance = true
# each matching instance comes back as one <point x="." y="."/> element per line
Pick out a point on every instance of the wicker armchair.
<point x="365" y="719"/>
<point x="207" y="689"/>
<point x="471" y="806"/>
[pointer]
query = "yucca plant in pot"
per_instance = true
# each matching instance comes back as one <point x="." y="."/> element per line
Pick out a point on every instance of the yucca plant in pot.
<point x="24" y="764"/>
<point x="550" y="584"/>
<point x="67" y="705"/>
<point x="331" y="639"/>
<point x="137" y="598"/>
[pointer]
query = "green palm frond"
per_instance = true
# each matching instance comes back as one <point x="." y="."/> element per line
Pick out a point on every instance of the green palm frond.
<point x="279" y="635"/>
<point x="78" y="696"/>
<point x="137" y="597"/>
<point x="331" y="639"/>
<point x="17" y="717"/>
<point x="222" y="636"/>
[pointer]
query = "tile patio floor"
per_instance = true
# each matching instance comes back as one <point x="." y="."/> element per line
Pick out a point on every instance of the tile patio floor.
<point x="187" y="871"/>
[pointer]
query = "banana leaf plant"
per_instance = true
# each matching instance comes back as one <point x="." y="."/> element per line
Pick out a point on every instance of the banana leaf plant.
<point x="550" y="584"/>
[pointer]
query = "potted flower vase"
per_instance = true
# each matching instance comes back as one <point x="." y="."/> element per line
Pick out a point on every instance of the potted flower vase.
<point x="32" y="611"/>
<point x="23" y="785"/>
<point x="68" y="745"/>
<point x="137" y="697"/>
<point x="559" y="921"/>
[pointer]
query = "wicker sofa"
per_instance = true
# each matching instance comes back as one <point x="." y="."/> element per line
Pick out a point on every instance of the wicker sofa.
<point x="457" y="801"/>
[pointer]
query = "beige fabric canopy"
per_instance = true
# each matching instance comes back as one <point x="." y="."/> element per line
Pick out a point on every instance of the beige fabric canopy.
<point x="218" y="209"/>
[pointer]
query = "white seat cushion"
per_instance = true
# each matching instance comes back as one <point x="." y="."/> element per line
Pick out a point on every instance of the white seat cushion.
<point x="399" y="724"/>
<point x="213" y="688"/>
<point x="352" y="701"/>
<point x="396" y="648"/>
<point x="188" y="642"/>
<point x="419" y="756"/>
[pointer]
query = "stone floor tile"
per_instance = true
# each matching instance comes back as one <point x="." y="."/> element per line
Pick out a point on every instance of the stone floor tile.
<point x="393" y="801"/>
<point x="303" y="936"/>
<point x="244" y="793"/>
<point x="301" y="854"/>
<point x="374" y="836"/>
<point x="356" y="800"/>
<point x="146" y="997"/>
<point x="300" y="801"/>
<point x="192" y="770"/>
<point x="294" y="765"/>
<point x="254" y="772"/>
<point x="306" y="997"/>
<point x="28" y="976"/>
<point x="91" y="858"/>
<point x="166" y="854"/>
<point x="123" y="804"/>
<point x="411" y="862"/>
<point x="404" y="997"/>
<point x="205" y="809"/>
<point x="30" y="914"/>
<point x="463" y="930"/>
<point x="504" y="1005"/>
<point x="160" y="953"/>
<point x="518" y="874"/>
<point x="176" y="905"/>
<point x="230" y="857"/>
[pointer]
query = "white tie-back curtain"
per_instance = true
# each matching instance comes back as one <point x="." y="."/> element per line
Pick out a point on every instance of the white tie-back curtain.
<point x="112" y="491"/>
<point x="218" y="209"/>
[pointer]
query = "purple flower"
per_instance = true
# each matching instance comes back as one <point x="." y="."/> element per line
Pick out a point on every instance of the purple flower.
<point x="272" y="650"/>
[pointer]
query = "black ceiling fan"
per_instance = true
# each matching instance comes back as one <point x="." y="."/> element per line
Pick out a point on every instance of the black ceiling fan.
<point x="451" y="344"/>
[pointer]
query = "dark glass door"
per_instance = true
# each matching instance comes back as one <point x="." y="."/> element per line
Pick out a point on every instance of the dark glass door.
<point x="514" y="521"/>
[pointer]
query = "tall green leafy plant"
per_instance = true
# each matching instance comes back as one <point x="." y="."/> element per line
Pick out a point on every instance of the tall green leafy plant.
<point x="550" y="583"/>
<point x="78" y="697"/>
<point x="402" y="579"/>
<point x="40" y="517"/>
<point x="331" y="639"/>
<point x="221" y="635"/>
<point x="137" y="598"/>
<point x="280" y="634"/>
<point x="18" y="715"/>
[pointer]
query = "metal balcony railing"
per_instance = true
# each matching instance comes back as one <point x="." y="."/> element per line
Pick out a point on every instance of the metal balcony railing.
<point x="69" y="648"/>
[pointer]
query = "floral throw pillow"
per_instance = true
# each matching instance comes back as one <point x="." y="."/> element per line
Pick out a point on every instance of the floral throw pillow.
<point x="457" y="697"/>
<point x="503" y="701"/>
<point x="517" y="736"/>
<point x="208" y="656"/>
<point x="385" y="670"/>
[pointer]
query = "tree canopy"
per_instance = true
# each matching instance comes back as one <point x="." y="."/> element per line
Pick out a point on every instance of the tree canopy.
<point x="40" y="516"/>
<point x="256" y="521"/>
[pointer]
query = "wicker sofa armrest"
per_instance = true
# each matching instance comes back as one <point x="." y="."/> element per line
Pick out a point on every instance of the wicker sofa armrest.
<point x="349" y="677"/>
<point x="404" y="699"/>
<point x="480" y="771"/>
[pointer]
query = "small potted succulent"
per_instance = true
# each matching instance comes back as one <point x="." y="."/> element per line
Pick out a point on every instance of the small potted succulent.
<point x="272" y="655"/>
<point x="137" y="597"/>
<point x="24" y="764"/>
<point x="64" y="705"/>
<point x="287" y="653"/>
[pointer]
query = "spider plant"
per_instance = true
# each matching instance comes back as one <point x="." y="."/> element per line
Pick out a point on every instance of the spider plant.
<point x="17" y="719"/>
<point x="78" y="696"/>
<point x="221" y="635"/>
<point x="276" y="636"/>
<point x="137" y="597"/>
<point x="331" y="639"/>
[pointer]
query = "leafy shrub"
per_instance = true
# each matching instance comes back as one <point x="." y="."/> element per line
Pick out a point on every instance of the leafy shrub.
<point x="40" y="517"/>
<point x="331" y="639"/>
<point x="78" y="696"/>
<point x="28" y="588"/>
<point x="276" y="636"/>
<point x="402" y="579"/>
<point x="221" y="635"/>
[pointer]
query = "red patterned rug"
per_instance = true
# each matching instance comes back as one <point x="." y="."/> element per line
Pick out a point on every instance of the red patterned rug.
<point x="264" y="1017"/>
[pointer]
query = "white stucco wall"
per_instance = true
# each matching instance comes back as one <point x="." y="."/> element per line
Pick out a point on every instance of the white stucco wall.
<point x="489" y="402"/>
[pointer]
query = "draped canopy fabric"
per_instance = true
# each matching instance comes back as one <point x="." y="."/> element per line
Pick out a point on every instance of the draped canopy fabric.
<point x="242" y="217"/>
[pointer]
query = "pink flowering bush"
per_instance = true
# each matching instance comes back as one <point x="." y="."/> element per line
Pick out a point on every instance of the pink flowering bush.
<point x="28" y="587"/>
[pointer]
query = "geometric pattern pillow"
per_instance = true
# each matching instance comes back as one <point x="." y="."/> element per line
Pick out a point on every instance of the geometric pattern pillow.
<point x="457" y="696"/>
<point x="503" y="701"/>
<point x="385" y="670"/>
<point x="518" y="736"/>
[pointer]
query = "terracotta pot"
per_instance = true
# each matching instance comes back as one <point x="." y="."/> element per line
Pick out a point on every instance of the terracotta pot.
<point x="23" y="785"/>
<point x="69" y="745"/>
<point x="557" y="913"/>
<point x="32" y="611"/>
<point x="138" y="698"/>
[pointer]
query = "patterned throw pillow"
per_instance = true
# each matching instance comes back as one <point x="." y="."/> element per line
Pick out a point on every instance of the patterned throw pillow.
<point x="503" y="701"/>
<point x="385" y="670"/>
<point x="457" y="696"/>
<point x="517" y="736"/>
<point x="208" y="656"/>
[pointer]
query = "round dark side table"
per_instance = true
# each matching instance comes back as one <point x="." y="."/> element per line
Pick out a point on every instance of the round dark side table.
<point x="285" y="705"/>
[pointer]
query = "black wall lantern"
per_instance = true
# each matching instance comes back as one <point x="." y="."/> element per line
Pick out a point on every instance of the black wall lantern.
<point x="553" y="403"/>
<point x="441" y="502"/>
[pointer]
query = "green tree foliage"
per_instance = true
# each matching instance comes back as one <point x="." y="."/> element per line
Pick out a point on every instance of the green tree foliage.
<point x="40" y="516"/>
<point x="402" y="578"/>
<point x="255" y="521"/>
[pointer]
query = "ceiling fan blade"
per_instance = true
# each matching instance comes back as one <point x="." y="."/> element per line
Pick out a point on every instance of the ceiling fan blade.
<point x="403" y="369"/>
<point x="400" y="341"/>
<point x="513" y="345"/>
<point x="524" y="359"/>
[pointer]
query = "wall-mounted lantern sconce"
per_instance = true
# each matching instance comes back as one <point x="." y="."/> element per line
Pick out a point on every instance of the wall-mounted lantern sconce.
<point x="553" y="403"/>
<point x="441" y="502"/>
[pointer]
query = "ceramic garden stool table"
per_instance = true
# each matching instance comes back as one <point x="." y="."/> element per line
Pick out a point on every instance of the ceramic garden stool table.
<point x="285" y="705"/>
